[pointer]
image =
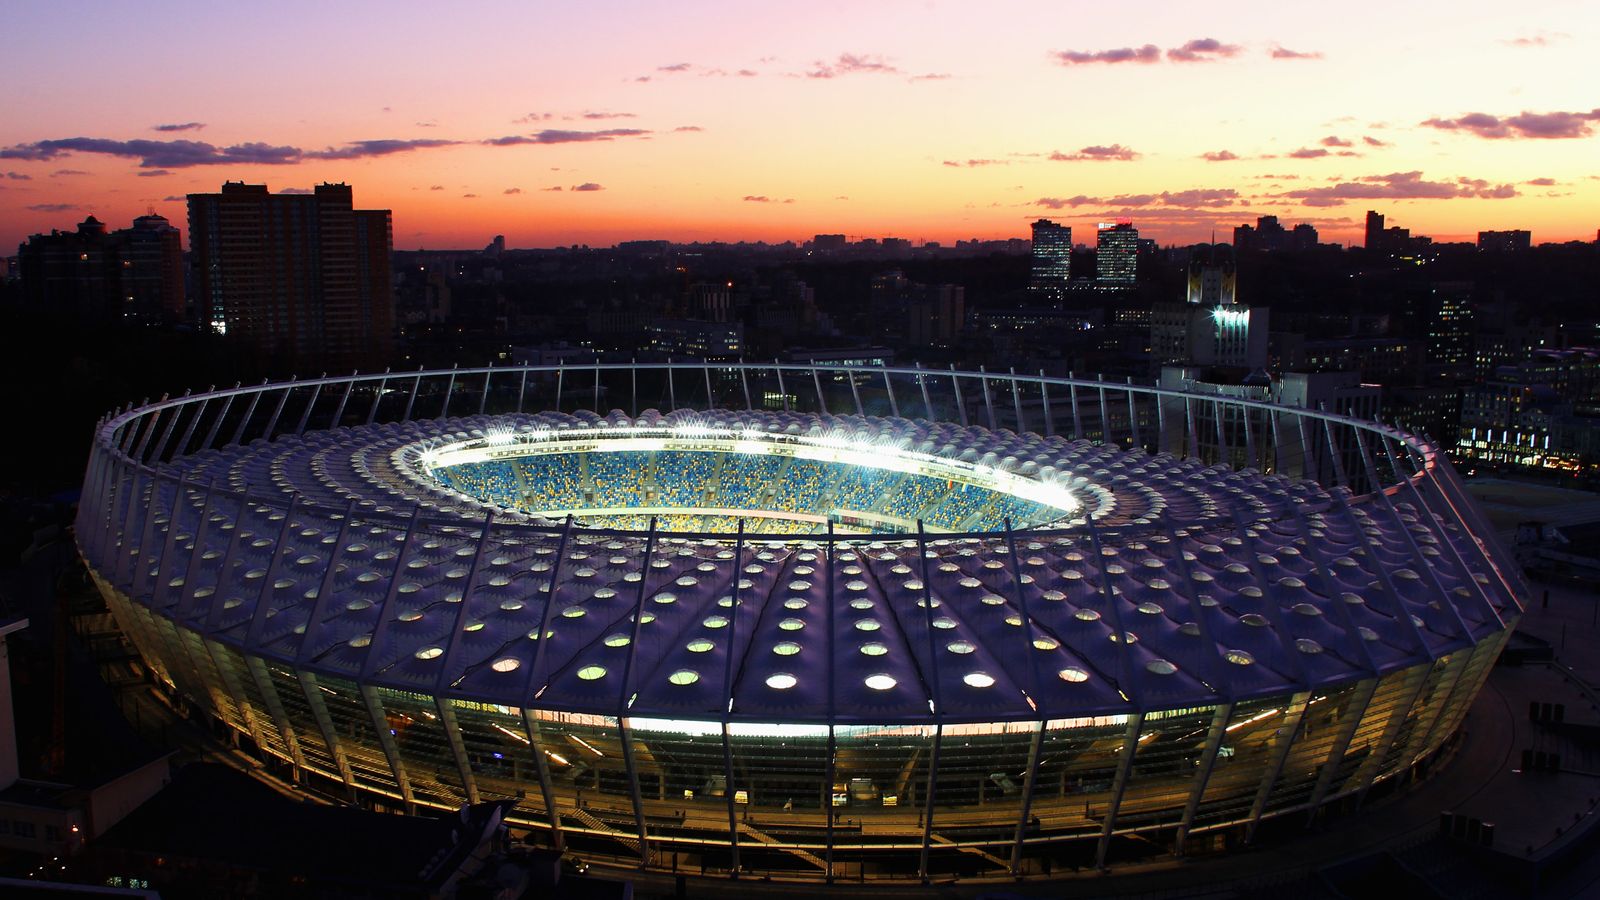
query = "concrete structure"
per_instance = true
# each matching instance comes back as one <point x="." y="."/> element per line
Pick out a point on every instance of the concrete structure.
<point x="1160" y="649"/>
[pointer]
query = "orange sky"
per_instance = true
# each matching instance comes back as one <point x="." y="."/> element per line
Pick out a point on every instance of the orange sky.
<point x="759" y="121"/>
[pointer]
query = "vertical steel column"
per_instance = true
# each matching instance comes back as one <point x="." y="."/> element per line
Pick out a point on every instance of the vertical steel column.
<point x="711" y="398"/>
<point x="1208" y="763"/>
<point x="1049" y="417"/>
<point x="1224" y="452"/>
<point x="783" y="393"/>
<point x="1437" y="521"/>
<point x="1461" y="517"/>
<point x="527" y="694"/>
<point x="305" y="416"/>
<point x="561" y="378"/>
<point x="888" y="387"/>
<point x="166" y="433"/>
<point x="249" y="412"/>
<point x="1339" y="474"/>
<point x="272" y="421"/>
<point x="672" y="389"/>
<point x="235" y="537"/>
<point x="1448" y="480"/>
<point x="624" y="699"/>
<point x="128" y="552"/>
<point x="831" y="769"/>
<point x="147" y="423"/>
<point x="1119" y="786"/>
<point x="1105" y="416"/>
<point x="1163" y="440"/>
<point x="727" y="709"/>
<point x="258" y="618"/>
<point x="1191" y="431"/>
<point x="522" y="388"/>
<point x="483" y="399"/>
<point x="961" y="403"/>
<point x="160" y="588"/>
<point x="449" y="389"/>
<point x="338" y="411"/>
<point x="937" y="701"/>
<point x="377" y="397"/>
<point x="1029" y="774"/>
<point x="1461" y="660"/>
<point x="1077" y="417"/>
<point x="1030" y="778"/>
<point x="988" y="398"/>
<point x="1341" y="744"/>
<point x="633" y="384"/>
<point x="1414" y="549"/>
<point x="391" y="747"/>
<point x="597" y="387"/>
<point x="257" y="671"/>
<point x="1397" y="606"/>
<point x="927" y="403"/>
<point x="201" y="534"/>
<point x="1372" y="766"/>
<point x="1248" y="414"/>
<point x="411" y="400"/>
<point x="210" y="440"/>
<point x="816" y="379"/>
<point x="1016" y="402"/>
<point x="458" y="747"/>
<point x="541" y="765"/>
<point x="330" y="735"/>
<point x="744" y="382"/>
<point x="1133" y="415"/>
<point x="1312" y="470"/>
<point x="215" y="655"/>
<point x="1277" y="441"/>
<point x="1294" y="717"/>
<point x="319" y="606"/>
<point x="854" y="392"/>
<point x="188" y="432"/>
<point x="141" y="575"/>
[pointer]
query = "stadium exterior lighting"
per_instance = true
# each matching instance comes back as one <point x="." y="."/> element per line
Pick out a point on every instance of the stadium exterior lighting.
<point x="1126" y="623"/>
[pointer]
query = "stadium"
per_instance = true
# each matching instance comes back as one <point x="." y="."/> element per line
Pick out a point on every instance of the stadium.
<point x="805" y="622"/>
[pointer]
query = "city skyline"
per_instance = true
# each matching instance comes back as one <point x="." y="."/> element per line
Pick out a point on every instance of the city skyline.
<point x="717" y="122"/>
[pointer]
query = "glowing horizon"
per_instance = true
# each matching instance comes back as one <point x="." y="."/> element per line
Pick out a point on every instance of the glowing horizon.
<point x="715" y="120"/>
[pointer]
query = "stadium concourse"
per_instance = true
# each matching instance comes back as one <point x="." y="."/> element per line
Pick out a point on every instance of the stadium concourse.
<point x="796" y="642"/>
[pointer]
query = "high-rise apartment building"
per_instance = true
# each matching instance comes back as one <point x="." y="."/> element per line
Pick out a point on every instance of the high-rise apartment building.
<point x="305" y="278"/>
<point x="129" y="275"/>
<point x="1117" y="255"/>
<point x="1052" y="261"/>
<point x="1375" y="231"/>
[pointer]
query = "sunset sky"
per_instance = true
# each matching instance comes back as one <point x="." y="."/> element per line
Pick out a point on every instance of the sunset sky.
<point x="562" y="123"/>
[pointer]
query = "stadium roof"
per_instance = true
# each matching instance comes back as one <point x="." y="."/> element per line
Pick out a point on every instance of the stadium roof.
<point x="1166" y="601"/>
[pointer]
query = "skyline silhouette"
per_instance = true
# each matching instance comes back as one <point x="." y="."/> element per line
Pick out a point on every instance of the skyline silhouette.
<point x="712" y="121"/>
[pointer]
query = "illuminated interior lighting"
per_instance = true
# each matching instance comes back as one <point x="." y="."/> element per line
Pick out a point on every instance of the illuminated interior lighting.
<point x="1253" y="719"/>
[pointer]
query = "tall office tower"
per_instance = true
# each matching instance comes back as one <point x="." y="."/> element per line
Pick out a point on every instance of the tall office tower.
<point x="1116" y="261"/>
<point x="130" y="275"/>
<point x="1375" y="232"/>
<point x="302" y="277"/>
<point x="1052" y="261"/>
